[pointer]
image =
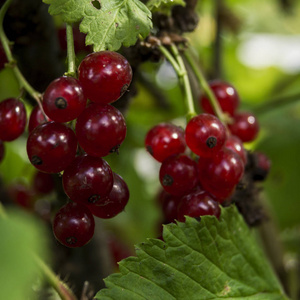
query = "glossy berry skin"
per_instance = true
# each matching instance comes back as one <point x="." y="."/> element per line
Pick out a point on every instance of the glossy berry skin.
<point x="178" y="174"/>
<point x="220" y="174"/>
<point x="2" y="151"/>
<point x="245" y="126"/>
<point x="226" y="95"/>
<point x="64" y="99"/>
<point x="169" y="207"/>
<point x="105" y="76"/>
<point x="164" y="140"/>
<point x="12" y="119"/>
<point x="197" y="204"/>
<point x="205" y="135"/>
<point x="87" y="179"/>
<point x="43" y="183"/>
<point x="36" y="118"/>
<point x="100" y="129"/>
<point x="236" y="145"/>
<point x="115" y="202"/>
<point x="73" y="225"/>
<point x="51" y="147"/>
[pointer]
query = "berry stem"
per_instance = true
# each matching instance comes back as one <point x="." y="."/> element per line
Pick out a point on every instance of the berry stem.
<point x="205" y="86"/>
<point x="12" y="62"/>
<point x="60" y="287"/>
<point x="70" y="52"/>
<point x="179" y="67"/>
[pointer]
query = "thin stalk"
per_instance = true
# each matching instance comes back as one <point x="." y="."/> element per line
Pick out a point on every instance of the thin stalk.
<point x="70" y="51"/>
<point x="171" y="59"/>
<point x="207" y="90"/>
<point x="11" y="61"/>
<point x="60" y="287"/>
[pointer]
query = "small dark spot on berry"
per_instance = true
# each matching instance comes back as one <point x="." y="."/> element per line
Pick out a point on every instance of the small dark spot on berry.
<point x="61" y="103"/>
<point x="115" y="149"/>
<point x="211" y="142"/>
<point x="35" y="160"/>
<point x="167" y="180"/>
<point x="149" y="149"/>
<point x="94" y="198"/>
<point x="124" y="89"/>
<point x="71" y="240"/>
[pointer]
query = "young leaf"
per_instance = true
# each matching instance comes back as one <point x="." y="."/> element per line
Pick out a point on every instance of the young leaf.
<point x="109" y="24"/>
<point x="210" y="259"/>
<point x="164" y="6"/>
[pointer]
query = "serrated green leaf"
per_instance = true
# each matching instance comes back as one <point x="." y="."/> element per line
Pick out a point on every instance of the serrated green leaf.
<point x="164" y="6"/>
<point x="115" y="23"/>
<point x="211" y="259"/>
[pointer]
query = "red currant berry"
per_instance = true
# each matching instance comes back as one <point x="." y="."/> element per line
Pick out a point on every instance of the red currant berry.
<point x="12" y="119"/>
<point x="197" y="204"/>
<point x="43" y="183"/>
<point x="114" y="202"/>
<point x="2" y="151"/>
<point x="105" y="76"/>
<point x="205" y="135"/>
<point x="219" y="175"/>
<point x="262" y="166"/>
<point x="21" y="195"/>
<point x="100" y="129"/>
<point x="245" y="126"/>
<point x="88" y="179"/>
<point x="178" y="174"/>
<point x="169" y="207"/>
<point x="226" y="95"/>
<point x="236" y="145"/>
<point x="64" y="100"/>
<point x="73" y="225"/>
<point x="51" y="147"/>
<point x="164" y="140"/>
<point x="36" y="118"/>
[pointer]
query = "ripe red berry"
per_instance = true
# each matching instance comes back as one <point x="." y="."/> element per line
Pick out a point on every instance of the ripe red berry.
<point x="43" y="183"/>
<point x="36" y="118"/>
<point x="169" y="206"/>
<point x="105" y="76"/>
<point x="197" y="204"/>
<point x="87" y="179"/>
<point x="12" y="119"/>
<point x="100" y="129"/>
<point x="245" y="126"/>
<point x="21" y="195"/>
<point x="164" y="140"/>
<point x="219" y="175"/>
<point x="63" y="99"/>
<point x="262" y="165"/>
<point x="236" y="145"/>
<point x="73" y="225"/>
<point x="178" y="174"/>
<point x="51" y="147"/>
<point x="205" y="135"/>
<point x="115" y="202"/>
<point x="226" y="95"/>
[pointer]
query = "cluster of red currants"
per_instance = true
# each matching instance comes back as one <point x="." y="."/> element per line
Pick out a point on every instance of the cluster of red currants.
<point x="53" y="146"/>
<point x="202" y="165"/>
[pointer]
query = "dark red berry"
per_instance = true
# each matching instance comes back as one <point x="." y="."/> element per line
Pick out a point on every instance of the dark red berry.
<point x="114" y="202"/>
<point x="164" y="140"/>
<point x="236" y="145"/>
<point x="118" y="249"/>
<point x="88" y="179"/>
<point x="105" y="76"/>
<point x="226" y="95"/>
<point x="169" y="207"/>
<point x="205" y="135"/>
<point x="262" y="165"/>
<point x="178" y="174"/>
<point x="36" y="118"/>
<point x="43" y="183"/>
<point x="219" y="175"/>
<point x="73" y="225"/>
<point x="100" y="129"/>
<point x="245" y="126"/>
<point x="197" y="204"/>
<point x="12" y="119"/>
<point x="51" y="147"/>
<point x="21" y="195"/>
<point x="63" y="99"/>
<point x="2" y="151"/>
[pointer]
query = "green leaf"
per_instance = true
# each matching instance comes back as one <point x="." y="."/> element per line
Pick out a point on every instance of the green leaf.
<point x="22" y="237"/>
<point x="115" y="23"/>
<point x="210" y="259"/>
<point x="164" y="6"/>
